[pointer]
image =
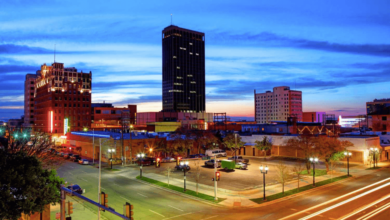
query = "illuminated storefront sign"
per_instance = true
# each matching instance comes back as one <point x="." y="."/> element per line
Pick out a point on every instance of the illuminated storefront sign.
<point x="65" y="125"/>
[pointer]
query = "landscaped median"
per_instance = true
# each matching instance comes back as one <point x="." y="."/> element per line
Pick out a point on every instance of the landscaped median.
<point x="301" y="189"/>
<point x="180" y="189"/>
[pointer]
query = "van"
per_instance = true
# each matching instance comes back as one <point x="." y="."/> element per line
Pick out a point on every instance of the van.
<point x="216" y="152"/>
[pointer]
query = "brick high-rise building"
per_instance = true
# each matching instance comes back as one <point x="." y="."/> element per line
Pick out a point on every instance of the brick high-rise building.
<point x="29" y="88"/>
<point x="378" y="113"/>
<point x="183" y="70"/>
<point x="278" y="105"/>
<point x="62" y="99"/>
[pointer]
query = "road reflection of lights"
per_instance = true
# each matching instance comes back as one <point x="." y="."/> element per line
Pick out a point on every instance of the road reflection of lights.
<point x="346" y="201"/>
<point x="365" y="207"/>
<point x="375" y="212"/>
<point x="335" y="199"/>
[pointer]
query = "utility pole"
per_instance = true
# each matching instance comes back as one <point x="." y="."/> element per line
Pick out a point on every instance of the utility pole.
<point x="62" y="207"/>
<point x="215" y="178"/>
<point x="93" y="146"/>
<point x="100" y="173"/>
<point x="235" y="152"/>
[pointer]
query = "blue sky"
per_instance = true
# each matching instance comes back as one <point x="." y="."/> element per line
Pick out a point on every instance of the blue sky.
<point x="336" y="52"/>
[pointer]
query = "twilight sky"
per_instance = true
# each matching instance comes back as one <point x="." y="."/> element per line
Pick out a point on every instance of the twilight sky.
<point x="336" y="52"/>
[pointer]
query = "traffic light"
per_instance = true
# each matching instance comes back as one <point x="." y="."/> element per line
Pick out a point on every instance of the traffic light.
<point x="129" y="211"/>
<point x="178" y="161"/>
<point x="157" y="163"/>
<point x="70" y="207"/>
<point x="104" y="199"/>
<point x="218" y="175"/>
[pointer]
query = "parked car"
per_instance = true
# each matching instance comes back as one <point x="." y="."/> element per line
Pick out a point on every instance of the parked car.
<point x="83" y="161"/>
<point x="182" y="167"/>
<point x="168" y="160"/>
<point x="146" y="161"/>
<point x="210" y="163"/>
<point x="216" y="152"/>
<point x="76" y="188"/>
<point x="239" y="159"/>
<point x="197" y="156"/>
<point x="75" y="157"/>
<point x="67" y="155"/>
<point x="241" y="165"/>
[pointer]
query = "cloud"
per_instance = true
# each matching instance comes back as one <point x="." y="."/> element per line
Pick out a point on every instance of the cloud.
<point x="267" y="39"/>
<point x="12" y="107"/>
<point x="22" y="49"/>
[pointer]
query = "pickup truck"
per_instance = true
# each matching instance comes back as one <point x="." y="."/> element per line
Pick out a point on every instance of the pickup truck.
<point x="239" y="159"/>
<point x="210" y="163"/>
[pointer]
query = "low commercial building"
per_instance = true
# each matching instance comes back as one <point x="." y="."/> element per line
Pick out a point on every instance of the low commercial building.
<point x="378" y="112"/>
<point x="105" y="116"/>
<point x="313" y="117"/>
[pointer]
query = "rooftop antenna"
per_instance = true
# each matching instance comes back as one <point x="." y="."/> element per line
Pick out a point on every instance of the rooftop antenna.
<point x="54" y="53"/>
<point x="171" y="19"/>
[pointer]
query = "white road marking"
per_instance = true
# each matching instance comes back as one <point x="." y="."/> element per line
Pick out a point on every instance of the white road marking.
<point x="84" y="179"/>
<point x="375" y="212"/>
<point x="177" y="216"/>
<point x="102" y="188"/>
<point x="142" y="195"/>
<point x="344" y="202"/>
<point x="175" y="208"/>
<point x="335" y="199"/>
<point x="156" y="213"/>
<point x="70" y="173"/>
<point x="83" y="171"/>
<point x="210" y="217"/>
<point x="294" y="209"/>
<point x="123" y="197"/>
<point x="72" y="167"/>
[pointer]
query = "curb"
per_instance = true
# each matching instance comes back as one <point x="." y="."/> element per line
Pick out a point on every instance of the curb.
<point x="178" y="193"/>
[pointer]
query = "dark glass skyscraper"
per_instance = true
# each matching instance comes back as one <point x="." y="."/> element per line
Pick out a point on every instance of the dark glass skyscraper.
<point x="183" y="70"/>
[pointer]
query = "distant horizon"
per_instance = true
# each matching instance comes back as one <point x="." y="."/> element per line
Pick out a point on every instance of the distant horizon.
<point x="331" y="55"/>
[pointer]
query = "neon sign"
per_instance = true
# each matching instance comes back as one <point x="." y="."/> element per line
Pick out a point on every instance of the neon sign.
<point x="65" y="125"/>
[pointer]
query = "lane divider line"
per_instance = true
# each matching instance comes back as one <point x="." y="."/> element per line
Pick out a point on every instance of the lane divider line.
<point x="335" y="199"/>
<point x="175" y="208"/>
<point x="178" y="216"/>
<point x="157" y="213"/>
<point x="142" y="195"/>
<point x="210" y="217"/>
<point x="375" y="212"/>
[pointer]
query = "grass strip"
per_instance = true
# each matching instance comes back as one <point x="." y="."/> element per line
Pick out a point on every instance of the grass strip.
<point x="318" y="172"/>
<point x="373" y="168"/>
<point x="301" y="189"/>
<point x="180" y="189"/>
<point x="109" y="169"/>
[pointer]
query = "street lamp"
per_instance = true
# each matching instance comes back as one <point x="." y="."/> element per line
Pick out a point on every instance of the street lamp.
<point x="150" y="151"/>
<point x="184" y="169"/>
<point x="112" y="150"/>
<point x="140" y="157"/>
<point x="264" y="170"/>
<point x="373" y="151"/>
<point x="348" y="155"/>
<point x="314" y="160"/>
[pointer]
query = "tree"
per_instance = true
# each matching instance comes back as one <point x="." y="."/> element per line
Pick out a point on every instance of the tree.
<point x="230" y="142"/>
<point x="197" y="174"/>
<point x="203" y="138"/>
<point x="182" y="140"/>
<point x="25" y="186"/>
<point x="304" y="143"/>
<point x="162" y="147"/>
<point x="333" y="165"/>
<point x="39" y="144"/>
<point x="264" y="145"/>
<point x="282" y="174"/>
<point x="330" y="148"/>
<point x="297" y="169"/>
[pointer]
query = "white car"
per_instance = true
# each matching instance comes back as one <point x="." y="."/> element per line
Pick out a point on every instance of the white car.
<point x="216" y="152"/>
<point x="83" y="161"/>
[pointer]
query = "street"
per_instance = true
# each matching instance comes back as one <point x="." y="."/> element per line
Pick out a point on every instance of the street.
<point x="345" y="200"/>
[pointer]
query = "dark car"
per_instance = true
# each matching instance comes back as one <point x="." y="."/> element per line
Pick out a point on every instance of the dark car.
<point x="75" y="158"/>
<point x="76" y="188"/>
<point x="239" y="159"/>
<point x="210" y="163"/>
<point x="146" y="161"/>
<point x="168" y="160"/>
<point x="183" y="166"/>
<point x="197" y="156"/>
<point x="67" y="156"/>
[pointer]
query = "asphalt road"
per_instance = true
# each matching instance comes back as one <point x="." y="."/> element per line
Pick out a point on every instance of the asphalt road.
<point x="153" y="203"/>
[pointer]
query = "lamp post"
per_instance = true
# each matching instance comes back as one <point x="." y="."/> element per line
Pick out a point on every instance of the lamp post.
<point x="373" y="151"/>
<point x="184" y="169"/>
<point x="141" y="158"/>
<point x="314" y="160"/>
<point x="150" y="151"/>
<point x="264" y="170"/>
<point x="348" y="155"/>
<point x="112" y="150"/>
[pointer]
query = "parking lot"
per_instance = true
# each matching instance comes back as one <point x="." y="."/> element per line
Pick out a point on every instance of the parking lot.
<point x="231" y="180"/>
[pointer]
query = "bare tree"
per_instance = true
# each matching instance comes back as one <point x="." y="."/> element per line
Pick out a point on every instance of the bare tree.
<point x="282" y="174"/>
<point x="297" y="169"/>
<point x="333" y="165"/>
<point x="168" y="171"/>
<point x="197" y="174"/>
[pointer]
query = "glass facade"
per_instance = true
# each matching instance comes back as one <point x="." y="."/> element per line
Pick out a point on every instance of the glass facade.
<point x="183" y="70"/>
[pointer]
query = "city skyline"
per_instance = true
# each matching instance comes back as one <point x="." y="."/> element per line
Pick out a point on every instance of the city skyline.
<point x="335" y="53"/>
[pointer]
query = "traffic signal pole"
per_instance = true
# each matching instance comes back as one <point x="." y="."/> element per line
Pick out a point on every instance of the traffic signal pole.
<point x="215" y="178"/>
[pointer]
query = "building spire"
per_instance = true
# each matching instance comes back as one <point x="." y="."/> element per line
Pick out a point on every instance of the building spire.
<point x="54" y="53"/>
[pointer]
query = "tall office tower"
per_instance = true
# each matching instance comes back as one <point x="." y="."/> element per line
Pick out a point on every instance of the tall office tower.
<point x="183" y="70"/>
<point x="29" y="87"/>
<point x="278" y="105"/>
<point x="62" y="99"/>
